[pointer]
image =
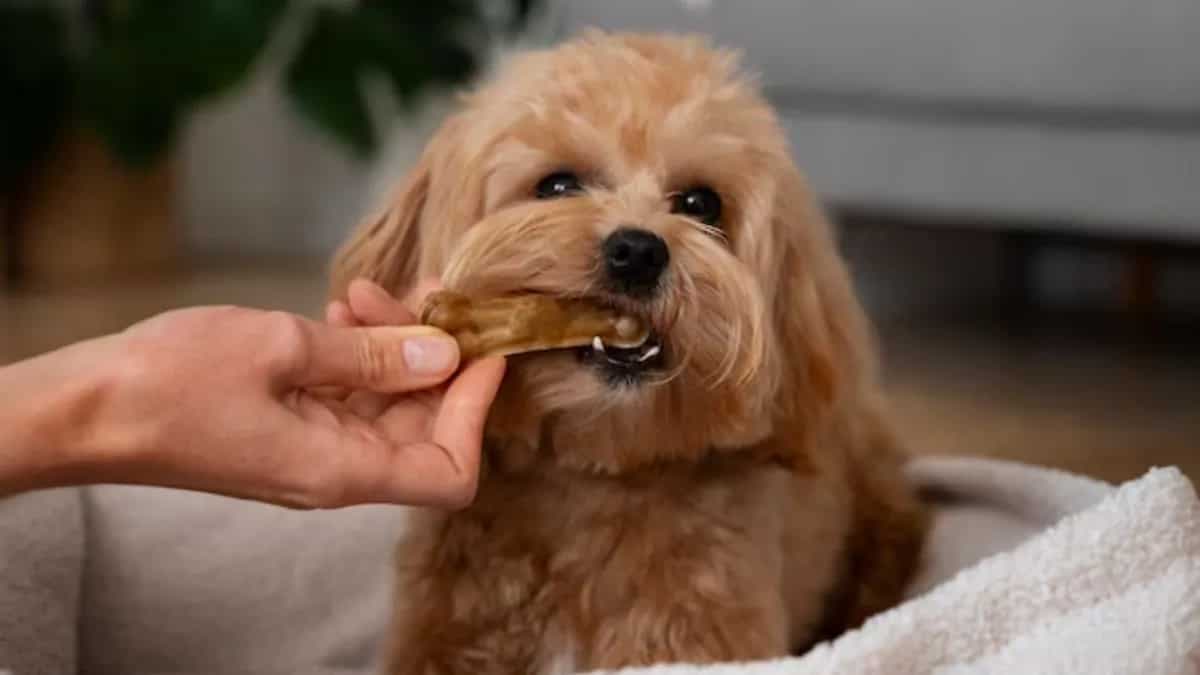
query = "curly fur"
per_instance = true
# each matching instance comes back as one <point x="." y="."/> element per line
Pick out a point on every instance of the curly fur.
<point x="742" y="505"/>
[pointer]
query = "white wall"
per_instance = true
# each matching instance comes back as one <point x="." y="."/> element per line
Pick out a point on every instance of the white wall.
<point x="257" y="180"/>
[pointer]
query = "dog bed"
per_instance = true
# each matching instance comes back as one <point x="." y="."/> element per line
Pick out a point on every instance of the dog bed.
<point x="1111" y="586"/>
<point x="1028" y="570"/>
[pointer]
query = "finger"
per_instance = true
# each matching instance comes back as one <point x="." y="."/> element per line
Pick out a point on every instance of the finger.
<point x="443" y="472"/>
<point x="319" y="464"/>
<point x="348" y="462"/>
<point x="460" y="422"/>
<point x="384" y="359"/>
<point x="370" y="304"/>
<point x="415" y="297"/>
<point x="334" y="458"/>
<point x="330" y="392"/>
<point x="337" y="313"/>
<point x="368" y="405"/>
<point x="419" y="474"/>
<point x="357" y="465"/>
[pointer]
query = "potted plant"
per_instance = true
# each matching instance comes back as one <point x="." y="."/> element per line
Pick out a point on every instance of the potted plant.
<point x="97" y="92"/>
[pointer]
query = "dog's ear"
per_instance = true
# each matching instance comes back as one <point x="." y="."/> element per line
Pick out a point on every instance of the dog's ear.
<point x="830" y="373"/>
<point x="443" y="192"/>
<point x="385" y="248"/>
<point x="824" y="333"/>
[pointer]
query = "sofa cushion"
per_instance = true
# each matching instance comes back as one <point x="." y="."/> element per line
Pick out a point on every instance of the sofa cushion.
<point x="1124" y="55"/>
<point x="180" y="582"/>
<point x="1116" y="183"/>
<point x="41" y="560"/>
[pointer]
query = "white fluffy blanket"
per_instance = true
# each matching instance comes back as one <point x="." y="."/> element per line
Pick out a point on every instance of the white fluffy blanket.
<point x="1113" y="587"/>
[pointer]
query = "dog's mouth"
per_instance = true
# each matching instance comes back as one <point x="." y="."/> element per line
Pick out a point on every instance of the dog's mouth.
<point x="624" y="362"/>
<point x="620" y="341"/>
<point x="630" y="348"/>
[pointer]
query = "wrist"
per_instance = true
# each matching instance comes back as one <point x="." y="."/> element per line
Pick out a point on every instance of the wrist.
<point x="57" y="430"/>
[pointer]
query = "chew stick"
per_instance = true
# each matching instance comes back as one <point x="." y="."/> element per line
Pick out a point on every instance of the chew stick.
<point x="502" y="326"/>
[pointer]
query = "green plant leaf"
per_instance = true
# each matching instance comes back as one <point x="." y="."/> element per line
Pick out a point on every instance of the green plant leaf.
<point x="35" y="78"/>
<point x="146" y="64"/>
<point x="323" y="81"/>
<point x="154" y="60"/>
<point x="416" y="47"/>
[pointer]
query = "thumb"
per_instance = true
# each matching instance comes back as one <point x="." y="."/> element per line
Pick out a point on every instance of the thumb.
<point x="384" y="359"/>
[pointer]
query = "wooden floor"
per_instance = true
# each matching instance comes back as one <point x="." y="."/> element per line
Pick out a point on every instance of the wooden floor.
<point x="1063" y="391"/>
<point x="1081" y="393"/>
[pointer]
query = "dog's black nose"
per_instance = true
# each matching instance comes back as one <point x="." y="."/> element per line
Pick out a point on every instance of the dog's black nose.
<point x="634" y="260"/>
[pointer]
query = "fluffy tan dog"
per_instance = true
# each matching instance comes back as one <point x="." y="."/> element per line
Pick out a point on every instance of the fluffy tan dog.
<point x="729" y="489"/>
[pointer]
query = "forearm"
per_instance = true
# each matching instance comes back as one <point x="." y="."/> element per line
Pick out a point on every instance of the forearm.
<point x="52" y="417"/>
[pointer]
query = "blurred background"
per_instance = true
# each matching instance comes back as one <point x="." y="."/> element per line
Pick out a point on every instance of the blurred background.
<point x="1017" y="183"/>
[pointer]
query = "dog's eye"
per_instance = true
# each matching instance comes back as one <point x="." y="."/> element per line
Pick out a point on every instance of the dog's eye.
<point x="700" y="203"/>
<point x="559" y="184"/>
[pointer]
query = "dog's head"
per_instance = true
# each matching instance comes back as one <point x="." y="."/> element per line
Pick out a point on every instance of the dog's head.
<point x="643" y="173"/>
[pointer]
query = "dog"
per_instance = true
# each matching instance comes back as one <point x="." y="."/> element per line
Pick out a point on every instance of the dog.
<point x="729" y="491"/>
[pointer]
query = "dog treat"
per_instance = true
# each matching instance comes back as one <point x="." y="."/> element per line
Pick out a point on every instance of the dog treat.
<point x="516" y="324"/>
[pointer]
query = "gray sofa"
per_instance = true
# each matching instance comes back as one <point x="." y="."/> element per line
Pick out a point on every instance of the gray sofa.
<point x="1068" y="115"/>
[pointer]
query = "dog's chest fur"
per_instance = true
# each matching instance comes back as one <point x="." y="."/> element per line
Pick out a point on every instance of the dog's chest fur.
<point x="551" y="571"/>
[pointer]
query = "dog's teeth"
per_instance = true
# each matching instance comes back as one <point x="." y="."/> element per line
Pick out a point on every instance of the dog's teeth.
<point x="649" y="353"/>
<point x="598" y="344"/>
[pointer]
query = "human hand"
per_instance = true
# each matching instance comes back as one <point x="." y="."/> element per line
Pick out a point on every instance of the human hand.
<point x="232" y="401"/>
<point x="368" y="305"/>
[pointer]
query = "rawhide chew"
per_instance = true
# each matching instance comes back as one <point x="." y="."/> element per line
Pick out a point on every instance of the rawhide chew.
<point x="506" y="325"/>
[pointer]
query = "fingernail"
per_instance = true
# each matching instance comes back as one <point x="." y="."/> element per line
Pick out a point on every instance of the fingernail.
<point x="430" y="355"/>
